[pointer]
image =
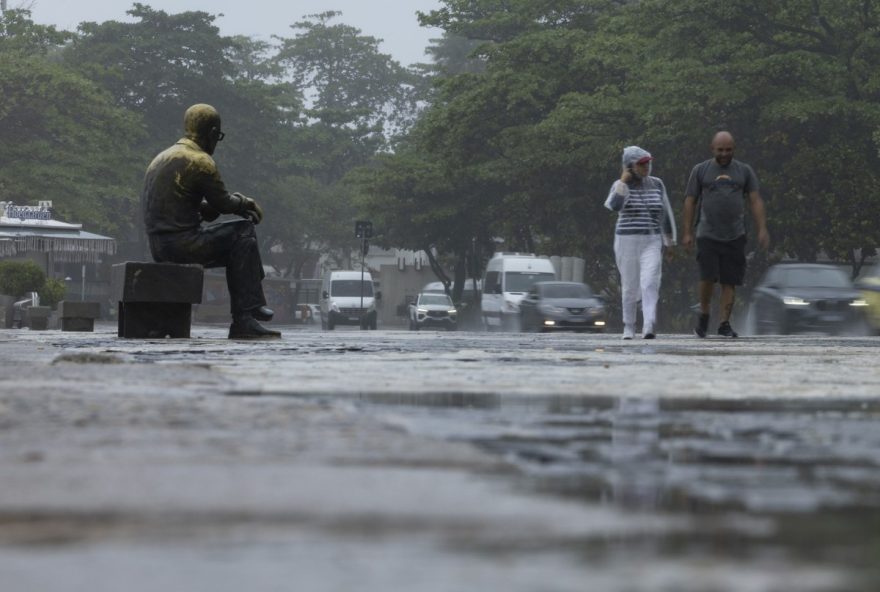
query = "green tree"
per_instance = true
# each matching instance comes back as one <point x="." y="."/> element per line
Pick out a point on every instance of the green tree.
<point x="346" y="79"/>
<point x="19" y="277"/>
<point x="63" y="137"/>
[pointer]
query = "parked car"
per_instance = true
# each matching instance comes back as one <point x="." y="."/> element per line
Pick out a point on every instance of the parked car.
<point x="869" y="285"/>
<point x="431" y="309"/>
<point x="798" y="297"/>
<point x="562" y="306"/>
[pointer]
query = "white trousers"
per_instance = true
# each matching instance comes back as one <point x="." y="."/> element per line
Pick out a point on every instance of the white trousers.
<point x="639" y="260"/>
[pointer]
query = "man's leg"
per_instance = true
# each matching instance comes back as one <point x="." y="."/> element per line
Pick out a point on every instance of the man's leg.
<point x="732" y="272"/>
<point x="244" y="270"/>
<point x="706" y="289"/>
<point x="708" y="261"/>
<point x="728" y="294"/>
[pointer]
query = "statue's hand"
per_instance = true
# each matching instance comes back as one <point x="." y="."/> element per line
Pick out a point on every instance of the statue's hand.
<point x="250" y="209"/>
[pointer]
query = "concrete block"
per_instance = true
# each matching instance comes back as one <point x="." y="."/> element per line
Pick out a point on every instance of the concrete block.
<point x="76" y="309"/>
<point x="38" y="317"/>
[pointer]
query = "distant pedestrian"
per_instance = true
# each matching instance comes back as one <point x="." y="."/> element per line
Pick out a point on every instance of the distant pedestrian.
<point x="716" y="193"/>
<point x="645" y="224"/>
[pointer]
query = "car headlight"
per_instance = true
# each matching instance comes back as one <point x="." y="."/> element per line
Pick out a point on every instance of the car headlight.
<point x="549" y="309"/>
<point x="452" y="311"/>
<point x="859" y="302"/>
<point x="794" y="301"/>
<point x="509" y="306"/>
<point x="422" y="310"/>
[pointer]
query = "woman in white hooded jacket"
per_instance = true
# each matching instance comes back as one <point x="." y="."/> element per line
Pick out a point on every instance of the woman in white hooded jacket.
<point x="645" y="223"/>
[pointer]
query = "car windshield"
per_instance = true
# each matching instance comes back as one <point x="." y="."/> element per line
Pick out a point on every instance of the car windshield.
<point x="522" y="281"/>
<point x="565" y="291"/>
<point x="819" y="277"/>
<point x="440" y="299"/>
<point x="350" y="288"/>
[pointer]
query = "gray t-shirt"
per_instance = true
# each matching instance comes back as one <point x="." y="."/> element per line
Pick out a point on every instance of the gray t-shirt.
<point x="721" y="192"/>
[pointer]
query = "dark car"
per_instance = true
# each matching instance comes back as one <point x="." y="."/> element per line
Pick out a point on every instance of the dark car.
<point x="799" y="297"/>
<point x="561" y="306"/>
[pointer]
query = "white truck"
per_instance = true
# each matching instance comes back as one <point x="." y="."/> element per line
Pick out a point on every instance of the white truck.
<point x="507" y="279"/>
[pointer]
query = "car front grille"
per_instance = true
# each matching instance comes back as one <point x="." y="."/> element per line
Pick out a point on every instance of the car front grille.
<point x="352" y="312"/>
<point x="832" y="305"/>
<point x="437" y="314"/>
<point x="576" y="311"/>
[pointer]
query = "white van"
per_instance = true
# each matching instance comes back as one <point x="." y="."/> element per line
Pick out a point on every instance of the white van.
<point x="508" y="277"/>
<point x="467" y="293"/>
<point x="347" y="300"/>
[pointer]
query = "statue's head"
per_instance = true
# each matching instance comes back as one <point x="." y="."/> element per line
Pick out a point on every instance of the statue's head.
<point x="201" y="124"/>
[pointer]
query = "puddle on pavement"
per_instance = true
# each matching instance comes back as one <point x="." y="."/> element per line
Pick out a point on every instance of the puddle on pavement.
<point x="811" y="468"/>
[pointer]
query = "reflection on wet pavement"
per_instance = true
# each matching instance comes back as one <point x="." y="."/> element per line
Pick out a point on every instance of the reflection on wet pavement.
<point x="797" y="478"/>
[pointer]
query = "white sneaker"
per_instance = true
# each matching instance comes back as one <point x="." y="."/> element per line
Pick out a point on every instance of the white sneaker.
<point x="648" y="332"/>
<point x="628" y="332"/>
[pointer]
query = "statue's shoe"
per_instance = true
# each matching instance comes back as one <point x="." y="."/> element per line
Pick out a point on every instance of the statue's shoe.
<point x="264" y="313"/>
<point x="250" y="328"/>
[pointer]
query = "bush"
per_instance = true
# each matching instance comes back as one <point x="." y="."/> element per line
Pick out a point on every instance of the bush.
<point x="20" y="277"/>
<point x="52" y="292"/>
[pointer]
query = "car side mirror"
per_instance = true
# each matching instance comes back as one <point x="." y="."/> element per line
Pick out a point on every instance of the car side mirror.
<point x="379" y="295"/>
<point x="325" y="295"/>
<point x="497" y="289"/>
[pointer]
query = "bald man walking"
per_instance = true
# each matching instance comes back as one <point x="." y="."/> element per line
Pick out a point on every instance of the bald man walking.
<point x="716" y="193"/>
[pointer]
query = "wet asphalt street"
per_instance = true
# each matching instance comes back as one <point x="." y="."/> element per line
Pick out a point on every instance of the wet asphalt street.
<point x="392" y="460"/>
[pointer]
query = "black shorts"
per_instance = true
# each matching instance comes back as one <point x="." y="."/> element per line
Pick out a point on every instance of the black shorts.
<point x="722" y="261"/>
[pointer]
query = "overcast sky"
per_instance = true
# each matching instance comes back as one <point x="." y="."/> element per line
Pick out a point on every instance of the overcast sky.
<point x="393" y="21"/>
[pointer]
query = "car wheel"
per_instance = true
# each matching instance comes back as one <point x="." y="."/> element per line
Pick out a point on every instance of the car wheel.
<point x="330" y="325"/>
<point x="373" y="324"/>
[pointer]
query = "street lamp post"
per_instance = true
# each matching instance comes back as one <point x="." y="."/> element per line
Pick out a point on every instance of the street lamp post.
<point x="363" y="230"/>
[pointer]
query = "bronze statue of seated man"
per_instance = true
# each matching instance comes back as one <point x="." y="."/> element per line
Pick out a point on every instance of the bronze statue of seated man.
<point x="182" y="191"/>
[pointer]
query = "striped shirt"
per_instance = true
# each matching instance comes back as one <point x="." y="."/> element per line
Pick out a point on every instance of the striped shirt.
<point x="643" y="207"/>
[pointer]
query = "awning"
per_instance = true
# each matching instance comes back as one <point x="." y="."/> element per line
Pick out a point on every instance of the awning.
<point x="66" y="245"/>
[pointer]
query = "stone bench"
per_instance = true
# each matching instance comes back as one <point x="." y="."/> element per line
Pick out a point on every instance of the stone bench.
<point x="155" y="299"/>
<point x="78" y="316"/>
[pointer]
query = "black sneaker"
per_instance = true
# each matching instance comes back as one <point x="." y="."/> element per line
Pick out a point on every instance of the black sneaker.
<point x="725" y="330"/>
<point x="702" y="326"/>
<point x="650" y="335"/>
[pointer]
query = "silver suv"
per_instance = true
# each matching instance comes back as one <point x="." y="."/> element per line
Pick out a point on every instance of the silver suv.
<point x="431" y="309"/>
